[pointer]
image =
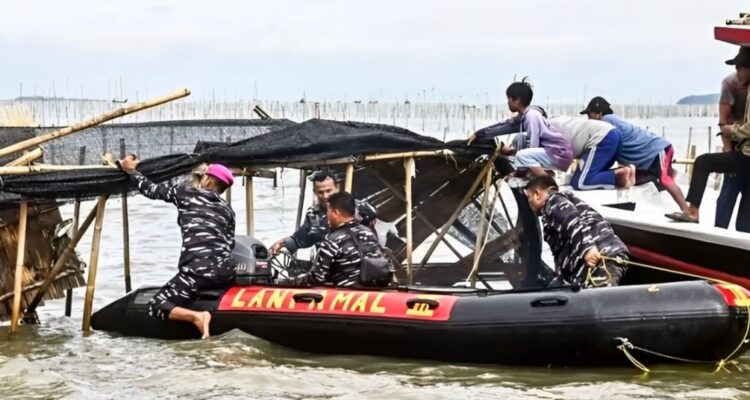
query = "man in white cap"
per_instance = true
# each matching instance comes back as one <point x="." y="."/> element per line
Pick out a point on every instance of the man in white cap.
<point x="207" y="225"/>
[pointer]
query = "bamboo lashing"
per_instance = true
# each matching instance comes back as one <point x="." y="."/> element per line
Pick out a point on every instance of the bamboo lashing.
<point x="349" y="177"/>
<point x="93" y="264"/>
<point x="26" y="158"/>
<point x="108" y="116"/>
<point x="18" y="277"/>
<point x="409" y="173"/>
<point x="64" y="257"/>
<point x="461" y="205"/>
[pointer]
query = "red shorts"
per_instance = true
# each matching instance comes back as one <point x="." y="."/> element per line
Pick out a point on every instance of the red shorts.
<point x="661" y="169"/>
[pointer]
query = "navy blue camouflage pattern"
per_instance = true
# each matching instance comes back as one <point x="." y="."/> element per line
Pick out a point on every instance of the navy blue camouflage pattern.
<point x="207" y="224"/>
<point x="315" y="228"/>
<point x="571" y="228"/>
<point x="339" y="258"/>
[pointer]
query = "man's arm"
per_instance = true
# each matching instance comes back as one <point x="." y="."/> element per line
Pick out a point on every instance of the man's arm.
<point x="535" y="125"/>
<point x="320" y="269"/>
<point x="164" y="191"/>
<point x="508" y="126"/>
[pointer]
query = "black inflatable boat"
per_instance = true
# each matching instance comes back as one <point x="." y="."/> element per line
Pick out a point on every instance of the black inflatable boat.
<point x="687" y="320"/>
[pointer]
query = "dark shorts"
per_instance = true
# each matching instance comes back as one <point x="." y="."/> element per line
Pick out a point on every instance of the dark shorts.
<point x="182" y="288"/>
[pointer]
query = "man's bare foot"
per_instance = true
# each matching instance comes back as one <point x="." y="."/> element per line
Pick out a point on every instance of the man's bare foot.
<point x="631" y="175"/>
<point x="202" y="321"/>
<point x="622" y="177"/>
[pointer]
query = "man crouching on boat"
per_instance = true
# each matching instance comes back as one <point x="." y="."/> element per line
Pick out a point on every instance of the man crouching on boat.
<point x="578" y="236"/>
<point x="207" y="225"/>
<point x="340" y="256"/>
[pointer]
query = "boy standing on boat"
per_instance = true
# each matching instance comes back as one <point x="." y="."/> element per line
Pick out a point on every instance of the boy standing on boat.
<point x="577" y="235"/>
<point x="316" y="227"/>
<point x="547" y="148"/>
<point x="207" y="225"/>
<point x="340" y="255"/>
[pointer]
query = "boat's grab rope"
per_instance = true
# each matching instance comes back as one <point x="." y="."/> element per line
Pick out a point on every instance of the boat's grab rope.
<point x="625" y="345"/>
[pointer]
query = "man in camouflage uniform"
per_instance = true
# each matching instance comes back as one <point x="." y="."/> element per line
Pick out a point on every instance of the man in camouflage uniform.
<point x="577" y="235"/>
<point x="340" y="255"/>
<point x="316" y="227"/>
<point x="207" y="225"/>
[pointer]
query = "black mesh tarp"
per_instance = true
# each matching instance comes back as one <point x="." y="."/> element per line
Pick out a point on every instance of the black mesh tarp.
<point x="311" y="141"/>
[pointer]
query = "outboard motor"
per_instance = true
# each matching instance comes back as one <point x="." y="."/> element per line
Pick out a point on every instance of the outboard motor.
<point x="251" y="261"/>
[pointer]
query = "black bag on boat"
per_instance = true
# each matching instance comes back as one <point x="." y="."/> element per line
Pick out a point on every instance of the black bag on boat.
<point x="373" y="271"/>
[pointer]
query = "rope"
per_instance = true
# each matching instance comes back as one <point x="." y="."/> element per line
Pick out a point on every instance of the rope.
<point x="624" y="346"/>
<point x="721" y="365"/>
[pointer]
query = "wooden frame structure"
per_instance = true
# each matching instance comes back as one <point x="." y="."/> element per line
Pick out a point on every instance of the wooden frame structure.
<point x="96" y="216"/>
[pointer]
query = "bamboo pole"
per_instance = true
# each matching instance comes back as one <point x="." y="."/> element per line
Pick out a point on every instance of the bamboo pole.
<point x="28" y="169"/>
<point x="18" y="276"/>
<point x="110" y="115"/>
<point x="76" y="222"/>
<point x="349" y="177"/>
<point x="479" y="243"/>
<point x="689" y="145"/>
<point x="249" y="206"/>
<point x="301" y="203"/>
<point x="409" y="173"/>
<point x="93" y="264"/>
<point x="26" y="158"/>
<point x="125" y="230"/>
<point x="418" y="213"/>
<point x="461" y="205"/>
<point x="691" y="155"/>
<point x="64" y="257"/>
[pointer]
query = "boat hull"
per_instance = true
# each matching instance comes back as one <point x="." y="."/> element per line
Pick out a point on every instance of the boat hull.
<point x="690" y="320"/>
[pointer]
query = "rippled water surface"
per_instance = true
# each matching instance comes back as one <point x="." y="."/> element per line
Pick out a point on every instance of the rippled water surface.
<point x="55" y="360"/>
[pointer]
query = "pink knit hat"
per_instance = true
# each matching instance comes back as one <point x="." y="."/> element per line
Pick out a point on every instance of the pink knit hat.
<point x="220" y="172"/>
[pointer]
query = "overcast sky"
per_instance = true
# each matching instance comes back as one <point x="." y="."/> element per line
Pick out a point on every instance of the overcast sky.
<point x="652" y="51"/>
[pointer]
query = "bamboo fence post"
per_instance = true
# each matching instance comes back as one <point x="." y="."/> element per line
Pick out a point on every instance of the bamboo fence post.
<point x="110" y="115"/>
<point x="409" y="173"/>
<point x="710" y="139"/>
<point x="27" y="158"/>
<point x="93" y="264"/>
<point x="349" y="177"/>
<point x="125" y="229"/>
<point x="249" y="205"/>
<point x="76" y="221"/>
<point x="301" y="203"/>
<point x="461" y="205"/>
<point x="691" y="155"/>
<point x="60" y="263"/>
<point x="20" y="255"/>
<point x="688" y="168"/>
<point x="479" y="245"/>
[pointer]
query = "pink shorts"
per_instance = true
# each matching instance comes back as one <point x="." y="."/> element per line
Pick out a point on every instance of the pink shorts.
<point x="662" y="167"/>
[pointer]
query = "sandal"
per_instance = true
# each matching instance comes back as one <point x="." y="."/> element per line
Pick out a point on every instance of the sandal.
<point x="680" y="216"/>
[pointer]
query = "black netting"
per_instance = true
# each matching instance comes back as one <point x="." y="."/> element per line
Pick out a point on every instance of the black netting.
<point x="309" y="141"/>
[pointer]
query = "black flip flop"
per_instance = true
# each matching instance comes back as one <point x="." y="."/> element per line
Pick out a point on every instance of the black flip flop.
<point x="679" y="216"/>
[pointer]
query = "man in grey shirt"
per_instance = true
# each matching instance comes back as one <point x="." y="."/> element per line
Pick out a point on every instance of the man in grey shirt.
<point x="732" y="109"/>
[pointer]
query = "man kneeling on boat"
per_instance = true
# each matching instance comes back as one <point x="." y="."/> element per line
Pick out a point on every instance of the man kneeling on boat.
<point x="578" y="236"/>
<point x="350" y="255"/>
<point x="207" y="225"/>
<point x="316" y="226"/>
